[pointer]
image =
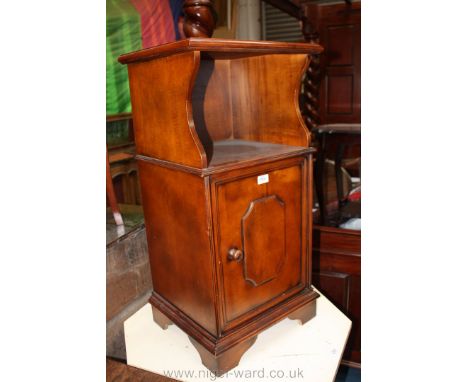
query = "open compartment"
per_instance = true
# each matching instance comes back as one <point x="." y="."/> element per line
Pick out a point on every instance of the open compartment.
<point x="220" y="101"/>
<point x="246" y="106"/>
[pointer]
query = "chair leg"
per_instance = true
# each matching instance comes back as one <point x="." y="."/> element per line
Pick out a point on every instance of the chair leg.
<point x="339" y="175"/>
<point x="111" y="194"/>
<point x="319" y="179"/>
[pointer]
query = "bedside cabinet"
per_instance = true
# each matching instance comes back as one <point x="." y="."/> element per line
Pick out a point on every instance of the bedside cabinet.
<point x="226" y="179"/>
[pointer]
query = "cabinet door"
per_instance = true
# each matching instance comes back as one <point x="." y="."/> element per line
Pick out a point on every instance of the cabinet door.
<point x="260" y="225"/>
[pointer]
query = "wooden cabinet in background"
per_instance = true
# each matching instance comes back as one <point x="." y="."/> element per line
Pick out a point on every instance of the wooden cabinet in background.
<point x="124" y="174"/>
<point x="336" y="268"/>
<point x="121" y="150"/>
<point x="339" y="32"/>
<point x="225" y="166"/>
<point x="337" y="252"/>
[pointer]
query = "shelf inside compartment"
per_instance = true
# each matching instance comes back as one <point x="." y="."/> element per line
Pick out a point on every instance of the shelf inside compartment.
<point x="236" y="150"/>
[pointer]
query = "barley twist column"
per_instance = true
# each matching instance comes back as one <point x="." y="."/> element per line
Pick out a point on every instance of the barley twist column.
<point x="200" y="18"/>
<point x="311" y="80"/>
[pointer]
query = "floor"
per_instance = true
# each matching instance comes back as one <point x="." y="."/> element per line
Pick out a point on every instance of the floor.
<point x="348" y="374"/>
<point x="118" y="371"/>
<point x="132" y="216"/>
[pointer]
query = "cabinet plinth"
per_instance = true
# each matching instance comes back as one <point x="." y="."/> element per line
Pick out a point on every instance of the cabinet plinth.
<point x="226" y="179"/>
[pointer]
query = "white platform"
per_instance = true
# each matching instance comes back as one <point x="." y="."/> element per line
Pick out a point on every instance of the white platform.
<point x="287" y="351"/>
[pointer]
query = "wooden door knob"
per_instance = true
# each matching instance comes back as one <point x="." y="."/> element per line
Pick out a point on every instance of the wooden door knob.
<point x="235" y="254"/>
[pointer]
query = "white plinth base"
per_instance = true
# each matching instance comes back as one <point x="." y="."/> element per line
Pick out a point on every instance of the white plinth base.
<point x="287" y="351"/>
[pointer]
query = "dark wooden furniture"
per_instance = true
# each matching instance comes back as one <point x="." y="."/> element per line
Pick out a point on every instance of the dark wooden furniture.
<point x="336" y="270"/>
<point x="336" y="142"/>
<point x="337" y="252"/>
<point x="332" y="110"/>
<point x="226" y="179"/>
<point x="124" y="173"/>
<point x="199" y="18"/>
<point x="338" y="30"/>
<point x="332" y="85"/>
<point x="333" y="90"/>
<point x="121" y="158"/>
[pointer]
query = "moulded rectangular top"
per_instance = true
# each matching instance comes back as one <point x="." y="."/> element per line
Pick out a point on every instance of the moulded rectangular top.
<point x="218" y="45"/>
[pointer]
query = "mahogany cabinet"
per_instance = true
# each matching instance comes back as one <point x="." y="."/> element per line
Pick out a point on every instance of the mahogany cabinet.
<point x="336" y="272"/>
<point x="226" y="180"/>
<point x="338" y="25"/>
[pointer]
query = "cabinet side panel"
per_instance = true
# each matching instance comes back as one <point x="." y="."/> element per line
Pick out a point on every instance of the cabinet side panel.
<point x="178" y="240"/>
<point x="161" y="92"/>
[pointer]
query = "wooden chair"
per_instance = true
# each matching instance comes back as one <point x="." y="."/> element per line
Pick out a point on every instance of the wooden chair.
<point x="334" y="140"/>
<point x="111" y="194"/>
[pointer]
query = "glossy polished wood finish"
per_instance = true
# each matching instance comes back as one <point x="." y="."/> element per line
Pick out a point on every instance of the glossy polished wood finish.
<point x="226" y="179"/>
<point x="220" y="47"/>
<point x="200" y="18"/>
<point x="244" y="93"/>
<point x="224" y="157"/>
<point x="164" y="120"/>
<point x="267" y="92"/>
<point x="178" y="244"/>
<point x="213" y="99"/>
<point x="241" y="220"/>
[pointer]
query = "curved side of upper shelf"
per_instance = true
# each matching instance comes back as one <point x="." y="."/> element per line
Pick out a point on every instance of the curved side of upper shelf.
<point x="308" y="135"/>
<point x="161" y="95"/>
<point x="265" y="93"/>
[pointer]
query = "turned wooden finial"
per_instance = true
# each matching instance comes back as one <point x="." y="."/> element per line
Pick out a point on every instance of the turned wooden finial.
<point x="200" y="18"/>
